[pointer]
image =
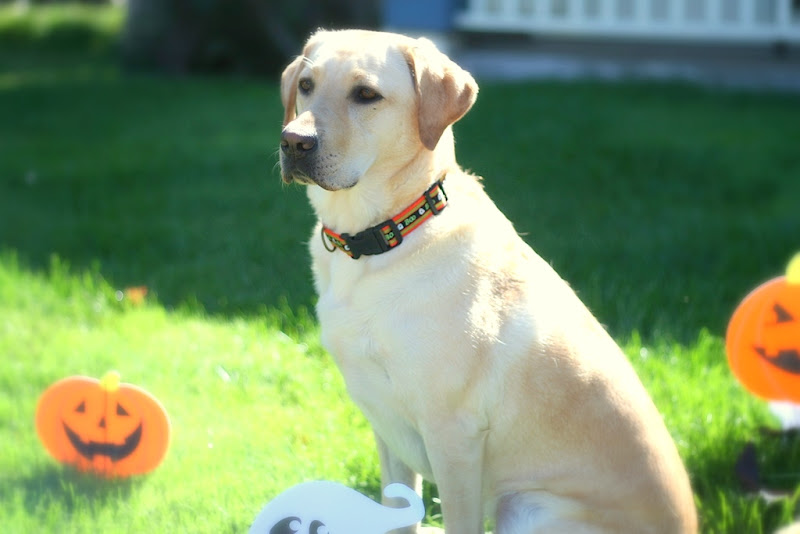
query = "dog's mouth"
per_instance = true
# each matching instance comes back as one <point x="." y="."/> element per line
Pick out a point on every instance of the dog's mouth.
<point x="297" y="171"/>
<point x="303" y="178"/>
<point x="322" y="169"/>
<point x="297" y="177"/>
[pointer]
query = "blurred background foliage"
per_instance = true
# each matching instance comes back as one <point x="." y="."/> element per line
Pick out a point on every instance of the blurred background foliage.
<point x="196" y="36"/>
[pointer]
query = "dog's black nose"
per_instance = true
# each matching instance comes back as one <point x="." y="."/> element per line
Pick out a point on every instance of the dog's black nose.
<point x="296" y="144"/>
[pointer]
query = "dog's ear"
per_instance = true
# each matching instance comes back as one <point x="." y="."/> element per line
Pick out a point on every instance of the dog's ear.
<point x="289" y="80"/>
<point x="445" y="91"/>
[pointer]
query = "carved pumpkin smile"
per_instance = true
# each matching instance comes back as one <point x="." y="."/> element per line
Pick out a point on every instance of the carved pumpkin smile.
<point x="786" y="360"/>
<point x="113" y="451"/>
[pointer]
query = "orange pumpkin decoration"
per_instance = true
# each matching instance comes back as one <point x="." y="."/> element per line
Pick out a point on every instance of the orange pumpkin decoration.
<point x="763" y="338"/>
<point x="112" y="429"/>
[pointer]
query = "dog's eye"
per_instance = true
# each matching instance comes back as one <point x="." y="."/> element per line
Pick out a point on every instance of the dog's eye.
<point x="305" y="86"/>
<point x="365" y="95"/>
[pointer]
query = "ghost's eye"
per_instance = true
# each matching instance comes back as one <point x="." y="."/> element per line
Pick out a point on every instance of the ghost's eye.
<point x="287" y="525"/>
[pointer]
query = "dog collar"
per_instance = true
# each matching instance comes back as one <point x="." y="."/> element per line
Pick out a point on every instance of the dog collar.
<point x="387" y="235"/>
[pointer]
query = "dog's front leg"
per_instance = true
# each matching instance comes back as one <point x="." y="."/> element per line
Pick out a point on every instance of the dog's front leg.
<point x="394" y="470"/>
<point x="455" y="450"/>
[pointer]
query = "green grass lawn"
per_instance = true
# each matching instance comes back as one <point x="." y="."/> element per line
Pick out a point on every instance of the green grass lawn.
<point x="662" y="205"/>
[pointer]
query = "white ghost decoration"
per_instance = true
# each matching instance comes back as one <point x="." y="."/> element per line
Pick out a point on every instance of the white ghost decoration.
<point x="329" y="508"/>
<point x="788" y="413"/>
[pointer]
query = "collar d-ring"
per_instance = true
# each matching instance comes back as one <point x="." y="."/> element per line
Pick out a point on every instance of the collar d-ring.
<point x="325" y="240"/>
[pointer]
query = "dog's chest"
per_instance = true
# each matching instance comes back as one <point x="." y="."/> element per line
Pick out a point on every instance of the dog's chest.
<point x="354" y="331"/>
<point x="357" y="315"/>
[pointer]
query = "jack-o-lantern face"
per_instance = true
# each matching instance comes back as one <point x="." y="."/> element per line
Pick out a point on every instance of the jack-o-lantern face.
<point x="763" y="341"/>
<point x="106" y="427"/>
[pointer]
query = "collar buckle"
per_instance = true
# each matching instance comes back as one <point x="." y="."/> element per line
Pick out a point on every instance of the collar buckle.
<point x="374" y="240"/>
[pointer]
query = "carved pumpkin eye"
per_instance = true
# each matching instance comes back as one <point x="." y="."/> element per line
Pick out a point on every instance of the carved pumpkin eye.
<point x="81" y="408"/>
<point x="782" y="315"/>
<point x="121" y="411"/>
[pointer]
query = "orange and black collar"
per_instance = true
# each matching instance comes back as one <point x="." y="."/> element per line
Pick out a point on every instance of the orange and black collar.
<point x="387" y="235"/>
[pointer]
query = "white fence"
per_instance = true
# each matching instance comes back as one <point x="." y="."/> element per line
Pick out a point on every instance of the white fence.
<point x="753" y="21"/>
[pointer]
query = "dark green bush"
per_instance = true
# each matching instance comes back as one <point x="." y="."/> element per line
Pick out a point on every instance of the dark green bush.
<point x="211" y="36"/>
<point x="61" y="26"/>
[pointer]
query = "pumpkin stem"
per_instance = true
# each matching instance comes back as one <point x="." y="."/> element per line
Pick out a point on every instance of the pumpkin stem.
<point x="110" y="382"/>
<point x="793" y="270"/>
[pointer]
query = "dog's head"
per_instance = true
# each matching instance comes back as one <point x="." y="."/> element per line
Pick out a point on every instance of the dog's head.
<point x="358" y="102"/>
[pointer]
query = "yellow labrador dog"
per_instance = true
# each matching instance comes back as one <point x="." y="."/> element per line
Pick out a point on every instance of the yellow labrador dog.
<point x="476" y="364"/>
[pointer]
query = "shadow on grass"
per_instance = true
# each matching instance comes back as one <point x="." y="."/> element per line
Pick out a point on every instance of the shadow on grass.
<point x="176" y="190"/>
<point x="61" y="487"/>
<point x="641" y="196"/>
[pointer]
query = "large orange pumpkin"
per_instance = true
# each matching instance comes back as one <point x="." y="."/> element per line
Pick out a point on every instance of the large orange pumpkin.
<point x="763" y="338"/>
<point x="110" y="428"/>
